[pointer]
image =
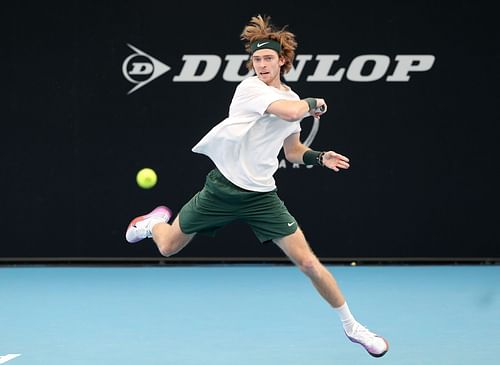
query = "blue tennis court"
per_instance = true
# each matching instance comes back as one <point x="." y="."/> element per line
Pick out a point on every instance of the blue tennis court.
<point x="245" y="314"/>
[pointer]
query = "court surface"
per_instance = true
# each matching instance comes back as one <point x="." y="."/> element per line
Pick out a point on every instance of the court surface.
<point x="245" y="314"/>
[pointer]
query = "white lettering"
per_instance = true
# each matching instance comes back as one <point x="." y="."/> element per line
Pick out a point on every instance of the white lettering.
<point x="410" y="63"/>
<point x="234" y="62"/>
<point x="381" y="64"/>
<point x="141" y="68"/>
<point x="206" y="67"/>
<point x="192" y="64"/>
<point x="323" y="69"/>
<point x="295" y="72"/>
<point x="283" y="165"/>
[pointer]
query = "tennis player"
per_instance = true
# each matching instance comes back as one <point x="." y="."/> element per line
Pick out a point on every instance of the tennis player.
<point x="264" y="117"/>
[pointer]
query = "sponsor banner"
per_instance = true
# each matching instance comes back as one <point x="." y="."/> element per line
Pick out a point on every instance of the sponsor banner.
<point x="140" y="68"/>
<point x="96" y="93"/>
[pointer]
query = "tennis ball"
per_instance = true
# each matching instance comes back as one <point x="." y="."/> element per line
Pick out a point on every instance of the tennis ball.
<point x="146" y="178"/>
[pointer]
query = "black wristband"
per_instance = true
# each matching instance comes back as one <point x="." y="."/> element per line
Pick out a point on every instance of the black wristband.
<point x="312" y="157"/>
<point x="312" y="102"/>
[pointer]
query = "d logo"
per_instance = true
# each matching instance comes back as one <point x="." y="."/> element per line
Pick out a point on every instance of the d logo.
<point x="140" y="68"/>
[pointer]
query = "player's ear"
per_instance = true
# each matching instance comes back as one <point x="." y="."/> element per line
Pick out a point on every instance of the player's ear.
<point x="282" y="61"/>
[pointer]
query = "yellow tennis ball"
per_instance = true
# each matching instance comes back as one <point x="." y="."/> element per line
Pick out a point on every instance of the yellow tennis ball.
<point x="146" y="178"/>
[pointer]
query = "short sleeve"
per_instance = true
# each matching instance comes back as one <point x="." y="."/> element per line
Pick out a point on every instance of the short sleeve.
<point x="253" y="96"/>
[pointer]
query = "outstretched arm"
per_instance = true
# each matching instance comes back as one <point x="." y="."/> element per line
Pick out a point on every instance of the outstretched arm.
<point x="294" y="153"/>
<point x="292" y="110"/>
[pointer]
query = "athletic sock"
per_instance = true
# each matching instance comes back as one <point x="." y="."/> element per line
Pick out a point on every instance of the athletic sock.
<point x="346" y="317"/>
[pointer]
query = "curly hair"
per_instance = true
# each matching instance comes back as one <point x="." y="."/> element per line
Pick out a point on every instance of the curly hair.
<point x="259" y="28"/>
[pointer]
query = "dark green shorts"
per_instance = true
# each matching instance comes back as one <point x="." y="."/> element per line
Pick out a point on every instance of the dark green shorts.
<point x="221" y="202"/>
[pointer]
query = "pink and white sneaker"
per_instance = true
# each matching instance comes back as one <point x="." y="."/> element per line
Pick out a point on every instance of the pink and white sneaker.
<point x="140" y="227"/>
<point x="375" y="345"/>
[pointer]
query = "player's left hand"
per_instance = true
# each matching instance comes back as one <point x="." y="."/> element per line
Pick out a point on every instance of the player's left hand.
<point x="335" y="161"/>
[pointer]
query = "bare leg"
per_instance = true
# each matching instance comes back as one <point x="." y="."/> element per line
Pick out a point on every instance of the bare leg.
<point x="169" y="238"/>
<point x="297" y="249"/>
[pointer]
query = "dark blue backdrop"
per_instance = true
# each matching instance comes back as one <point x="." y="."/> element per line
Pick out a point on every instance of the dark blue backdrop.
<point x="423" y="181"/>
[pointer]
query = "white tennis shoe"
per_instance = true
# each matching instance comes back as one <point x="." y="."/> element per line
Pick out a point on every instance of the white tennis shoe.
<point x="375" y="345"/>
<point x="140" y="227"/>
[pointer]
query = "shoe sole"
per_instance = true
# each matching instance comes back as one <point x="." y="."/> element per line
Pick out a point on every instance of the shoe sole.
<point x="163" y="209"/>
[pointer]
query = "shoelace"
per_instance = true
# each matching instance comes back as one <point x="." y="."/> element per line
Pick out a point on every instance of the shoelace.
<point x="361" y="331"/>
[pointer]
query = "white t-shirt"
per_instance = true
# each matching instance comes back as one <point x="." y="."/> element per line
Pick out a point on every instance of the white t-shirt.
<point x="245" y="145"/>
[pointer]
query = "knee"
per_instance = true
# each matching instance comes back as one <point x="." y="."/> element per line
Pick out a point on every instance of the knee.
<point x="311" y="267"/>
<point x="164" y="246"/>
<point x="164" y="251"/>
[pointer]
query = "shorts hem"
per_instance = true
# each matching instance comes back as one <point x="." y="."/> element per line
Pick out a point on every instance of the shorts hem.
<point x="271" y="238"/>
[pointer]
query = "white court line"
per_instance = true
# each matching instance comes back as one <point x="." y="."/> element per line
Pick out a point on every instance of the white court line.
<point x="8" y="357"/>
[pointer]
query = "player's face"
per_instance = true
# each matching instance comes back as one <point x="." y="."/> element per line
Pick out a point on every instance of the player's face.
<point x="267" y="65"/>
